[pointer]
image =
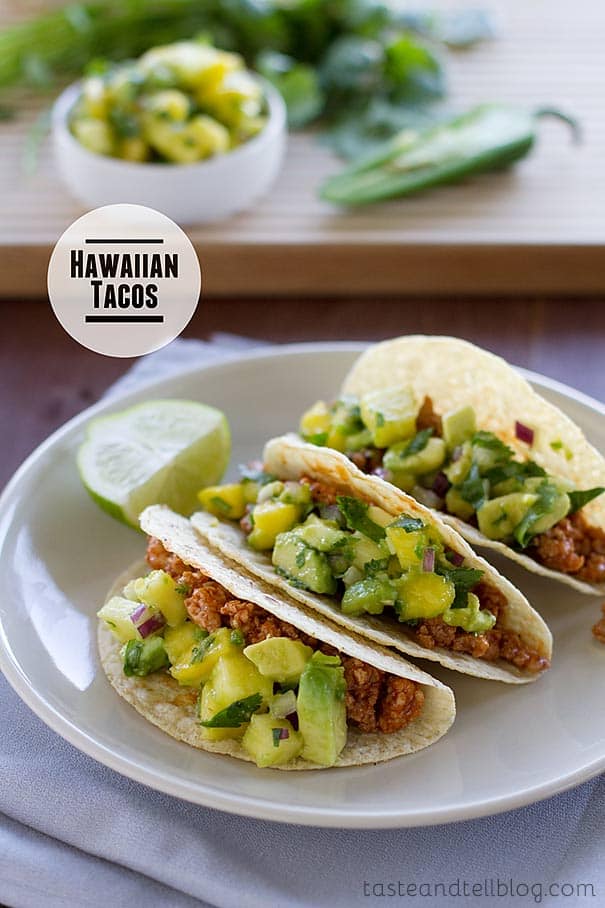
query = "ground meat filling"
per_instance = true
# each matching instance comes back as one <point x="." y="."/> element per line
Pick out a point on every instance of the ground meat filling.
<point x="572" y="547"/>
<point x="428" y="419"/>
<point x="376" y="701"/>
<point x="598" y="629"/>
<point x="432" y="632"/>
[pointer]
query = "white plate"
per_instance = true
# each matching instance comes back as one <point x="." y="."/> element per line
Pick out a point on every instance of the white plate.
<point x="59" y="553"/>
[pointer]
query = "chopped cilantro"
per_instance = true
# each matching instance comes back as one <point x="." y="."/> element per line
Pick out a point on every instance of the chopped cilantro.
<point x="493" y="443"/>
<point x="375" y="566"/>
<point x="221" y="504"/>
<point x="409" y="524"/>
<point x="236" y="714"/>
<point x="547" y="495"/>
<point x="237" y="638"/>
<point x="301" y="556"/>
<point x="463" y="578"/>
<point x="514" y="469"/>
<point x="182" y="589"/>
<point x="320" y="439"/>
<point x="198" y="652"/>
<point x="417" y="444"/>
<point x="579" y="499"/>
<point x="474" y="489"/>
<point x="379" y="420"/>
<point x="355" y="513"/>
<point x="276" y="733"/>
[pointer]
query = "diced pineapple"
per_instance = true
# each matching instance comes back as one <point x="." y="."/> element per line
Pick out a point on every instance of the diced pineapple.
<point x="133" y="149"/>
<point x="389" y="414"/>
<point x="316" y="422"/>
<point x="408" y="547"/>
<point x="94" y="134"/>
<point x="270" y="519"/>
<point x="169" y="104"/>
<point x="379" y="516"/>
<point x="224" y="501"/>
<point x="160" y="591"/>
<point x="270" y="741"/>
<point x="279" y="658"/>
<point x="233" y="678"/>
<point x="95" y="100"/>
<point x="423" y="595"/>
<point x="195" y="662"/>
<point x="116" y="615"/>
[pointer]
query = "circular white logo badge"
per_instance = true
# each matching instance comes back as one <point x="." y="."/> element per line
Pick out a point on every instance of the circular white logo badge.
<point x="124" y="280"/>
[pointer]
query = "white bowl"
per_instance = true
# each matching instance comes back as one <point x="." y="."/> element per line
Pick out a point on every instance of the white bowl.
<point x="188" y="193"/>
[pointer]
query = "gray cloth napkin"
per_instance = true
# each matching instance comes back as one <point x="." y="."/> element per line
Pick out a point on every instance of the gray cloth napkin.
<point x="74" y="833"/>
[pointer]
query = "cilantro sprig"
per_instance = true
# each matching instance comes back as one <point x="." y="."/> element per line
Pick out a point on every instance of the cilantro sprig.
<point x="236" y="714"/>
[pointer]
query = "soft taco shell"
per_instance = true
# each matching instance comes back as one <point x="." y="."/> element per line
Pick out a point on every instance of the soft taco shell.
<point x="161" y="700"/>
<point x="455" y="373"/>
<point x="289" y="458"/>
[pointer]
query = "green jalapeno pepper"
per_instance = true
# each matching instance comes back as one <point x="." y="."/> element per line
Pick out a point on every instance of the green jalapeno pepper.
<point x="488" y="137"/>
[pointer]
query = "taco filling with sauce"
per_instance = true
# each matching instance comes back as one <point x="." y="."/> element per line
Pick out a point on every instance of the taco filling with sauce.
<point x="254" y="678"/>
<point x="447" y="463"/>
<point x="372" y="563"/>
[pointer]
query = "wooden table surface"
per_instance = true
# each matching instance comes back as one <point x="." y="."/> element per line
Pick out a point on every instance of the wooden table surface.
<point x="535" y="229"/>
<point x="46" y="377"/>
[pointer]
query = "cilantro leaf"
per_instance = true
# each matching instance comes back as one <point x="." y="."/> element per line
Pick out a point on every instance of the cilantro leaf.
<point x="492" y="442"/>
<point x="198" y="652"/>
<point x="355" y="513"/>
<point x="514" y="469"/>
<point x="547" y="495"/>
<point x="579" y="499"/>
<point x="236" y="714"/>
<point x="474" y="489"/>
<point x="375" y="566"/>
<point x="418" y="443"/>
<point x="409" y="524"/>
<point x="463" y="578"/>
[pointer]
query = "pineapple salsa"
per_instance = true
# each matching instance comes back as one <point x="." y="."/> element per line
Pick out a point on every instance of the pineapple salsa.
<point x="340" y="546"/>
<point x="281" y="698"/>
<point x="180" y="103"/>
<point x="446" y="463"/>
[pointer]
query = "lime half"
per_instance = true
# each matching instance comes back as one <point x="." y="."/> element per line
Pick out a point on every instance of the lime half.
<point x="158" y="452"/>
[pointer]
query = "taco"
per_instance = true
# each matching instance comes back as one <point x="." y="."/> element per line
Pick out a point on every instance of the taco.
<point x="222" y="661"/>
<point x="366" y="555"/>
<point x="460" y="430"/>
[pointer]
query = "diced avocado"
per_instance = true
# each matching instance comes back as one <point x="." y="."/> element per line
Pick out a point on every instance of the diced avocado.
<point x="322" y="715"/>
<point x="359" y="440"/>
<point x="141" y="657"/>
<point x="458" y="469"/>
<point x="429" y="458"/>
<point x="346" y="416"/>
<point x="471" y="618"/>
<point x="456" y="505"/>
<point x="116" y="615"/>
<point x="458" y="426"/>
<point x="302" y="564"/>
<point x="316" y="423"/>
<point x="389" y="414"/>
<point x="369" y="595"/>
<point x="195" y="662"/>
<point x="271" y="741"/>
<point x="233" y="678"/>
<point x="323" y="535"/>
<point x="227" y="501"/>
<point x="560" y="507"/>
<point x="160" y="591"/>
<point x="423" y="595"/>
<point x="365" y="550"/>
<point x="270" y="518"/>
<point x="498" y="517"/>
<point x="279" y="658"/>
<point x="407" y="546"/>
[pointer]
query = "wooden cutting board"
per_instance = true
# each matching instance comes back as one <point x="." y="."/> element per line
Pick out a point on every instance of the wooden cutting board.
<point x="538" y="228"/>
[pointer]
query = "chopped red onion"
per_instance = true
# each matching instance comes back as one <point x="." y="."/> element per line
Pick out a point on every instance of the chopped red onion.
<point x="428" y="559"/>
<point x="455" y="557"/>
<point x="283" y="734"/>
<point x="380" y="471"/>
<point x="524" y="433"/>
<point x="457" y="453"/>
<point x="441" y="484"/>
<point x="293" y="720"/>
<point x="146" y="621"/>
